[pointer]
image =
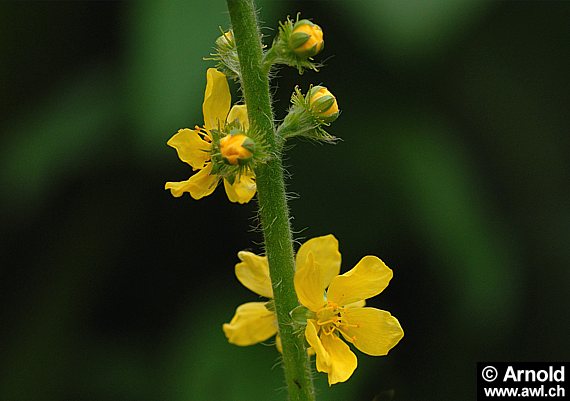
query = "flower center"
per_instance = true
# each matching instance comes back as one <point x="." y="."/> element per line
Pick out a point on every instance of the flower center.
<point x="330" y="319"/>
<point x="236" y="147"/>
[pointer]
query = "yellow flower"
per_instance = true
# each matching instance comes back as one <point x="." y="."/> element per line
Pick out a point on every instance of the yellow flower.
<point x="253" y="322"/>
<point x="194" y="146"/>
<point x="340" y="310"/>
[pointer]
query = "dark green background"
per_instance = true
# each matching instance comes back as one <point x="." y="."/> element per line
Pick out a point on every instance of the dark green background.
<point x="454" y="169"/>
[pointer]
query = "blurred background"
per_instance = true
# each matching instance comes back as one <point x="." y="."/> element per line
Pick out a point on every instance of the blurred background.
<point x="454" y="169"/>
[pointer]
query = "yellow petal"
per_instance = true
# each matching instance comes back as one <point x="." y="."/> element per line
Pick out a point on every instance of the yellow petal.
<point x="368" y="278"/>
<point x="199" y="185"/>
<point x="177" y="189"/>
<point x="309" y="285"/>
<point x="376" y="331"/>
<point x="242" y="190"/>
<point x="239" y="112"/>
<point x="326" y="256"/>
<point x="191" y="148"/>
<point x="342" y="360"/>
<point x="253" y="273"/>
<point x="357" y="304"/>
<point x="217" y="99"/>
<point x="251" y="324"/>
<point x="323" y="357"/>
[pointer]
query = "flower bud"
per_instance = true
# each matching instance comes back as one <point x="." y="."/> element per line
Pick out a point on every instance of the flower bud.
<point x="306" y="40"/>
<point x="236" y="147"/>
<point x="225" y="40"/>
<point x="323" y="104"/>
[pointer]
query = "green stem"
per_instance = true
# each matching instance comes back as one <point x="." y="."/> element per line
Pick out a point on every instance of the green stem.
<point x="268" y="59"/>
<point x="273" y="210"/>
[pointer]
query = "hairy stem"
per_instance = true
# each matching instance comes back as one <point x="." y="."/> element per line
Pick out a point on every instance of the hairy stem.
<point x="273" y="210"/>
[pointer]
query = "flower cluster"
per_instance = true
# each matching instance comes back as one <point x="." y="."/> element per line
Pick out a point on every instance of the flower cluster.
<point x="331" y="312"/>
<point x="224" y="148"/>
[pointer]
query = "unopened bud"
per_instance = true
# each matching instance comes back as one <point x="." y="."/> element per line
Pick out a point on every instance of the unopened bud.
<point x="225" y="40"/>
<point x="306" y="40"/>
<point x="237" y="147"/>
<point x="323" y="104"/>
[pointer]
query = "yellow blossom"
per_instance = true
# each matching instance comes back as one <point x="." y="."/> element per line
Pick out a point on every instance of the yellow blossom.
<point x="339" y="312"/>
<point x="253" y="322"/>
<point x="194" y="145"/>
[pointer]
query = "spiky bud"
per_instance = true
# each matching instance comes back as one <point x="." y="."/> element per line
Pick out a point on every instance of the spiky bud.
<point x="236" y="148"/>
<point x="323" y="104"/>
<point x="306" y="40"/>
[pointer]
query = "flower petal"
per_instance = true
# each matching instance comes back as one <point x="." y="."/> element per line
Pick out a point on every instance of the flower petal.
<point x="376" y="331"/>
<point x="309" y="285"/>
<point x="357" y="304"/>
<point x="253" y="273"/>
<point x="177" y="189"/>
<point x="342" y="360"/>
<point x="199" y="185"/>
<point x="191" y="148"/>
<point x="251" y="324"/>
<point x="242" y="190"/>
<point x="326" y="256"/>
<point x="239" y="112"/>
<point x="368" y="278"/>
<point x="323" y="358"/>
<point x="217" y="99"/>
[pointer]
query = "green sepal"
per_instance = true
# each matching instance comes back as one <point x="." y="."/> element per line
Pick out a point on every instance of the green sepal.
<point x="303" y="21"/>
<point x="215" y="134"/>
<point x="270" y="306"/>
<point x="231" y="179"/>
<point x="300" y="314"/>
<point x="298" y="39"/>
<point x="249" y="144"/>
<point x="234" y="129"/>
<point x="331" y="118"/>
<point x="323" y="103"/>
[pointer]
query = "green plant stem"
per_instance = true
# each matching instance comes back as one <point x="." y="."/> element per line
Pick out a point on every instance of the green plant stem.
<point x="268" y="59"/>
<point x="273" y="210"/>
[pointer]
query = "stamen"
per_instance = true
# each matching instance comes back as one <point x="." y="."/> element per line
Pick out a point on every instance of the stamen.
<point x="352" y="338"/>
<point x="346" y="324"/>
<point x="332" y="330"/>
<point x="202" y="131"/>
